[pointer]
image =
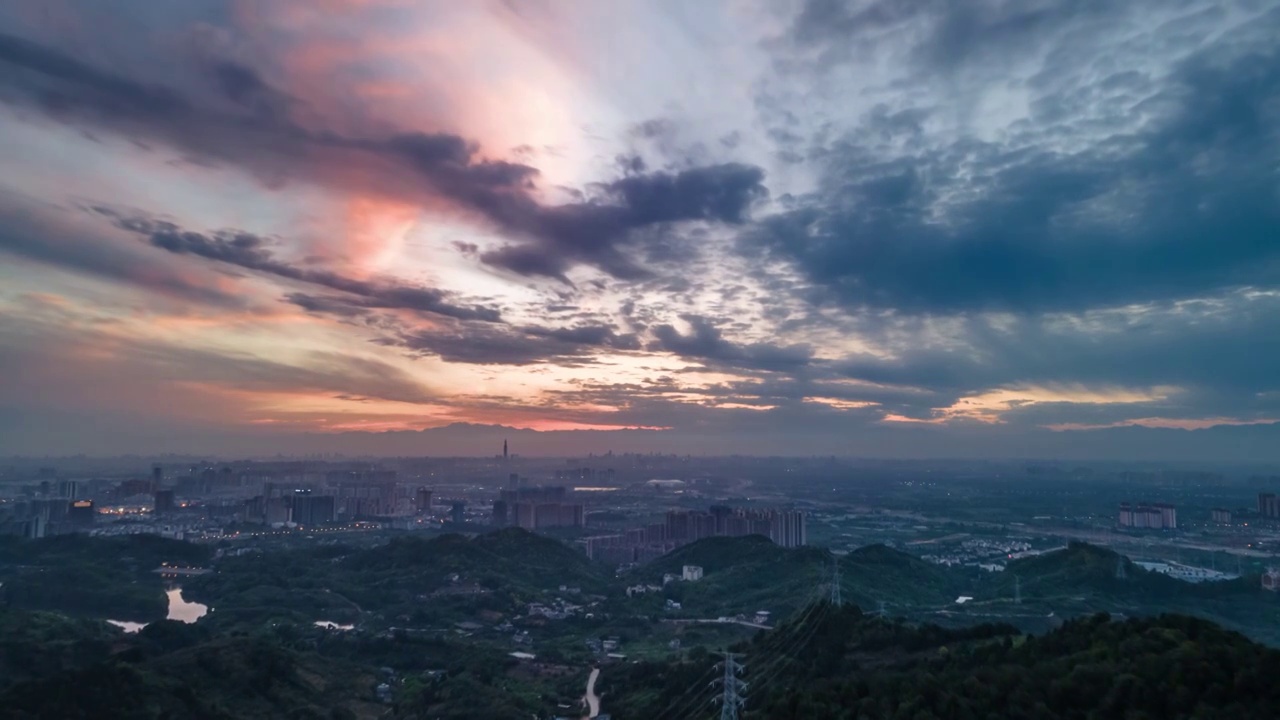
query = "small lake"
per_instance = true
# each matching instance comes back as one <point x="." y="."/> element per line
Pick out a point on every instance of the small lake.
<point x="180" y="609"/>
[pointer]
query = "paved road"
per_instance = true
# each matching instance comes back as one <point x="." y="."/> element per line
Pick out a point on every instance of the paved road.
<point x="718" y="621"/>
<point x="593" y="700"/>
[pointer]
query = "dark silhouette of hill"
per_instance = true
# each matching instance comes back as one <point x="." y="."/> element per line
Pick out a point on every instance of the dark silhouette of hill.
<point x="511" y="556"/>
<point x="93" y="576"/>
<point x="877" y="573"/>
<point x="222" y="679"/>
<point x="745" y="574"/>
<point x="841" y="664"/>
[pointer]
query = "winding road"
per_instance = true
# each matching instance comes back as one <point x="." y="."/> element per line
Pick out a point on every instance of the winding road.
<point x="592" y="700"/>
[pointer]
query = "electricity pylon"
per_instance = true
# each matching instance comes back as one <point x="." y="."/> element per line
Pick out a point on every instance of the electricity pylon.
<point x="732" y="689"/>
<point x="836" y="598"/>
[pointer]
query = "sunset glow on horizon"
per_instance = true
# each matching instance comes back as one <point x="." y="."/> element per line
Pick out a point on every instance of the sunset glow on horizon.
<point x="755" y="223"/>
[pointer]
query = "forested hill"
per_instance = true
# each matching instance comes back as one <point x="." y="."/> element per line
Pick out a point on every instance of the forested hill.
<point x="837" y="663"/>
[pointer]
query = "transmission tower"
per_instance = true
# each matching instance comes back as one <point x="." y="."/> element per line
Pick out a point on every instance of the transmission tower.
<point x="1120" y="571"/>
<point x="836" y="599"/>
<point x="732" y="689"/>
<point x="881" y="610"/>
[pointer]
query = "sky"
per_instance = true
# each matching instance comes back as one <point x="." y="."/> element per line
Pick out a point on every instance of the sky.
<point x="906" y="228"/>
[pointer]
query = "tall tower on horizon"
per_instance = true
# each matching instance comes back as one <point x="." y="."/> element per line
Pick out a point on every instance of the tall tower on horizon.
<point x="504" y="449"/>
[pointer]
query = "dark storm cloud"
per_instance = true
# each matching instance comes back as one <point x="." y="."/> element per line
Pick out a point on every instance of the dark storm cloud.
<point x="1217" y="356"/>
<point x="1185" y="205"/>
<point x="504" y="345"/>
<point x="707" y="343"/>
<point x="252" y="252"/>
<point x="427" y="167"/>
<point x="594" y="232"/>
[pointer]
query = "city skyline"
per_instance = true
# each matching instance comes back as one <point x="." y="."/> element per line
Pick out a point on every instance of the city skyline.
<point x="874" y="228"/>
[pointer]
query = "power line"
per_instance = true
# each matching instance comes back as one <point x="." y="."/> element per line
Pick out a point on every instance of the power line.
<point x="732" y="689"/>
<point x="836" y="599"/>
<point x="682" y="701"/>
<point x="768" y="662"/>
<point x="784" y="658"/>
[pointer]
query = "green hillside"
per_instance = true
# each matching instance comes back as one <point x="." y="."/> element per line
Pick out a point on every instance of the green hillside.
<point x="841" y="664"/>
<point x="36" y="644"/>
<point x="511" y="556"/>
<point x="745" y="574"/>
<point x="1083" y="579"/>
<point x="96" y="577"/>
<point x="410" y="580"/>
<point x="715" y="554"/>
<point x="222" y="679"/>
<point x="876" y="573"/>
<point x="741" y="575"/>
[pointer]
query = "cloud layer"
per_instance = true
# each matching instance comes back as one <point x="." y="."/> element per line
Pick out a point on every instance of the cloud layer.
<point x="906" y="227"/>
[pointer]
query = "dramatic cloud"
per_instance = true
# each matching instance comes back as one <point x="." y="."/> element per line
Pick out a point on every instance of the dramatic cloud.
<point x="427" y="167"/>
<point x="706" y="342"/>
<point x="252" y="253"/>
<point x="514" y="346"/>
<point x="1184" y="204"/>
<point x="910" y="227"/>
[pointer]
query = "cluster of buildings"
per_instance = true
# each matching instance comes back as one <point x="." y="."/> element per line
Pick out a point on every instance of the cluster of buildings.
<point x="1185" y="573"/>
<point x="1268" y="505"/>
<point x="534" y="508"/>
<point x="585" y="474"/>
<point x="643" y="544"/>
<point x="1156" y="516"/>
<point x="984" y="553"/>
<point x="54" y="506"/>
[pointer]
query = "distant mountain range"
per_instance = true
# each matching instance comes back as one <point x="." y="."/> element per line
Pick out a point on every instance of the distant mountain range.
<point x="1222" y="443"/>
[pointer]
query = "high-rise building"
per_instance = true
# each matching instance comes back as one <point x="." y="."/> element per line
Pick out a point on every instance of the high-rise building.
<point x="157" y="475"/>
<point x="1268" y="505"/>
<point x="787" y="528"/>
<point x="1158" y="516"/>
<point x="422" y="501"/>
<point x="525" y="515"/>
<point x="311" y="510"/>
<point x="457" y="512"/>
<point x="500" y="517"/>
<point x="367" y="493"/>
<point x="277" y="510"/>
<point x="549" y="514"/>
<point x="163" y="504"/>
<point x="1221" y="516"/>
<point x="68" y="489"/>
